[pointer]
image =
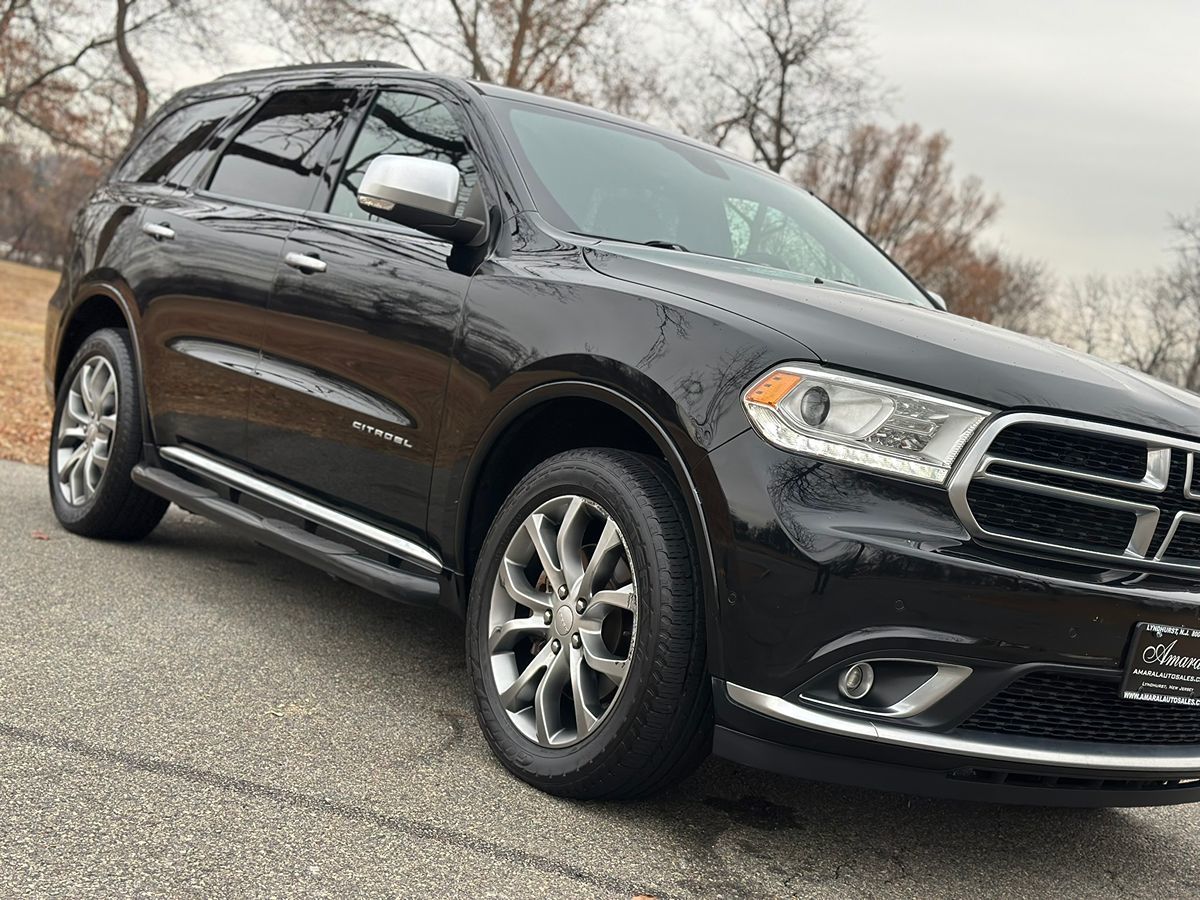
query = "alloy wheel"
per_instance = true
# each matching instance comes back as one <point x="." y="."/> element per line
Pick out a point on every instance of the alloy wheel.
<point x="562" y="621"/>
<point x="86" y="430"/>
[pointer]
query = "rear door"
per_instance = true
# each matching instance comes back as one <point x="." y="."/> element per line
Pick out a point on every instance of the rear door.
<point x="215" y="253"/>
<point x="356" y="356"/>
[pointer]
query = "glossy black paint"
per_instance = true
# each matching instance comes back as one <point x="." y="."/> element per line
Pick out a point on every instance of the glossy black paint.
<point x="807" y="564"/>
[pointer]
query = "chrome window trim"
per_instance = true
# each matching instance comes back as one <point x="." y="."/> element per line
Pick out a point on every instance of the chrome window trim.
<point x="1152" y="759"/>
<point x="976" y="460"/>
<point x="331" y="518"/>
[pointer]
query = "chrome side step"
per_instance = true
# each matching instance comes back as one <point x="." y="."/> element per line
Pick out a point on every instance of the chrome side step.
<point x="342" y="560"/>
<point x="302" y="506"/>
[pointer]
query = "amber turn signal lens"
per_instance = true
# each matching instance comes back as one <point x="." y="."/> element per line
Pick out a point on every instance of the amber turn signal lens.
<point x="774" y="388"/>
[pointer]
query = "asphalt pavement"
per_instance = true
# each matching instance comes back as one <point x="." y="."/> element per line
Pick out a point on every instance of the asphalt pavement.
<point x="194" y="715"/>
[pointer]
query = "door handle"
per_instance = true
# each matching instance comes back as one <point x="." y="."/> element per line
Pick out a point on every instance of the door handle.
<point x="304" y="263"/>
<point x="159" y="232"/>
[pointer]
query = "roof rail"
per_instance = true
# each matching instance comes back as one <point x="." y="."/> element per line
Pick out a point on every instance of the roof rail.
<point x="308" y="67"/>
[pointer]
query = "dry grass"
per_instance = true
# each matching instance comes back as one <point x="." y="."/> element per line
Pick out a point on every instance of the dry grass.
<point x="25" y="422"/>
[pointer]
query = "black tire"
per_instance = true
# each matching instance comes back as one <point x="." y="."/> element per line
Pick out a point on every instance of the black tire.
<point x="117" y="508"/>
<point x="659" y="726"/>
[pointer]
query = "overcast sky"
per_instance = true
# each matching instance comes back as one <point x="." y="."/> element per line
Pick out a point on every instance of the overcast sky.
<point x="1084" y="115"/>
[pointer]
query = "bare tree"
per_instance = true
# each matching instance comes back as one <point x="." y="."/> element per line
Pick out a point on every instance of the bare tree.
<point x="36" y="188"/>
<point x="901" y="189"/>
<point x="69" y="69"/>
<point x="1180" y="289"/>
<point x="794" y="74"/>
<point x="1088" y="317"/>
<point x="1148" y="322"/>
<point x="550" y="46"/>
<point x="49" y="71"/>
<point x="137" y="81"/>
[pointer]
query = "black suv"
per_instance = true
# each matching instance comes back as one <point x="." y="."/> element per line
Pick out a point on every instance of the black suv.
<point x="700" y="466"/>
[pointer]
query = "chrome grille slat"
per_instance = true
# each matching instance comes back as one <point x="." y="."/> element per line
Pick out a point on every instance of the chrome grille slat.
<point x="1152" y="501"/>
<point x="1158" y="465"/>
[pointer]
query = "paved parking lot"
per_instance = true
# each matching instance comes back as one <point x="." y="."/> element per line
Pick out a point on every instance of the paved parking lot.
<point x="194" y="715"/>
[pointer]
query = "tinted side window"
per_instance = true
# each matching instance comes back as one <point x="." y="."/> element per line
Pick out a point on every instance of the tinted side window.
<point x="282" y="152"/>
<point x="166" y="154"/>
<point x="405" y="125"/>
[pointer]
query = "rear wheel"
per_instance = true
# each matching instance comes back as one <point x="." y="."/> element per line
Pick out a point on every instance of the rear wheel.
<point x="97" y="440"/>
<point x="586" y="633"/>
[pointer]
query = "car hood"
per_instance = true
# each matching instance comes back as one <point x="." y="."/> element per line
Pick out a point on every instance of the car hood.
<point x="928" y="348"/>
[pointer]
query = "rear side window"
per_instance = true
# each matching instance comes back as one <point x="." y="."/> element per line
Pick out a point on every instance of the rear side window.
<point x="167" y="153"/>
<point x="404" y="124"/>
<point x="281" y="154"/>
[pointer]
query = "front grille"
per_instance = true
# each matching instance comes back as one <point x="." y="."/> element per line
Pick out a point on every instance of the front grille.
<point x="1185" y="544"/>
<point x="1080" y="451"/>
<point x="1076" y="488"/>
<point x="1051" y="519"/>
<point x="1081" y="708"/>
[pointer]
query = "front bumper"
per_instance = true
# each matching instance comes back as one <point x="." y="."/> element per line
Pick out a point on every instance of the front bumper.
<point x="826" y="566"/>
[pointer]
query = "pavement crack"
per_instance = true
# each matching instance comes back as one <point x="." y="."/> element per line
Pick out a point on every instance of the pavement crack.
<point x="297" y="799"/>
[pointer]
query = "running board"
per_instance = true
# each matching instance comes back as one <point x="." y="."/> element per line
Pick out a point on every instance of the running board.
<point x="337" y="559"/>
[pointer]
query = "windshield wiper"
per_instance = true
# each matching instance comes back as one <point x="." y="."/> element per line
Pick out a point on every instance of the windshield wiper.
<point x="664" y="245"/>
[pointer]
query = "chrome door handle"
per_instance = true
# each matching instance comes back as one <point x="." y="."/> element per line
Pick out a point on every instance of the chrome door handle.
<point x="159" y="232"/>
<point x="304" y="263"/>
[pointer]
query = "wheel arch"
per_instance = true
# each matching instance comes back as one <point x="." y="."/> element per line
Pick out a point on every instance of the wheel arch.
<point x="489" y="478"/>
<point x="96" y="305"/>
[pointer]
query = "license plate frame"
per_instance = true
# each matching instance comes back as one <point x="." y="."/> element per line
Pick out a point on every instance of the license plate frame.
<point x="1163" y="665"/>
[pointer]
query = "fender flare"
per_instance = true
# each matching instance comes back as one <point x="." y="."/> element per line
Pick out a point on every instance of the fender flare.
<point x="86" y="291"/>
<point x="710" y="577"/>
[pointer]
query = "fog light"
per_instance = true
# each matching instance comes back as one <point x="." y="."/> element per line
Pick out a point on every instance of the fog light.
<point x="856" y="682"/>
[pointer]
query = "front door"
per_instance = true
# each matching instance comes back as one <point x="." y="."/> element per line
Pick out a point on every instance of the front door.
<point x="351" y="382"/>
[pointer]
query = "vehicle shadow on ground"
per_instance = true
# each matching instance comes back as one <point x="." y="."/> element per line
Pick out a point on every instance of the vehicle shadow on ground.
<point x="799" y="835"/>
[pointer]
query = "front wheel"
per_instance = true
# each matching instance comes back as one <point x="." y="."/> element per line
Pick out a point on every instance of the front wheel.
<point x="585" y="634"/>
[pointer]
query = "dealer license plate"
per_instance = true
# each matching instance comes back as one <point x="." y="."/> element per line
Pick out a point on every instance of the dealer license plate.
<point x="1163" y="665"/>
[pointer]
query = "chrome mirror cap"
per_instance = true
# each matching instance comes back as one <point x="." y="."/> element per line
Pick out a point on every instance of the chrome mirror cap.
<point x="427" y="185"/>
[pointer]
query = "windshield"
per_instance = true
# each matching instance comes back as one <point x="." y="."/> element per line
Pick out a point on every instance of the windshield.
<point x="600" y="179"/>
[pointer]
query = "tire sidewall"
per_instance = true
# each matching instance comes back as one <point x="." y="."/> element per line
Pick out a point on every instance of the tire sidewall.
<point x="113" y="346"/>
<point x="619" y="725"/>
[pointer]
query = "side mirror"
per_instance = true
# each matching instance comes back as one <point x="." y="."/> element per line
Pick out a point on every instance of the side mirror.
<point x="422" y="194"/>
<point x="938" y="300"/>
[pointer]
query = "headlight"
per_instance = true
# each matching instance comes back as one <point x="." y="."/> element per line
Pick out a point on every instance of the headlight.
<point x="861" y="422"/>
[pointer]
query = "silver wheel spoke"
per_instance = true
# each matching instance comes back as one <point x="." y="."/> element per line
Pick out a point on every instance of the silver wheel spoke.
<point x="518" y="694"/>
<point x="83" y="384"/>
<point x="548" y="697"/>
<point x="559" y="670"/>
<point x="600" y="660"/>
<point x="583" y="692"/>
<point x="67" y="468"/>
<point x="76" y="410"/>
<point x="517" y="586"/>
<point x="108" y="390"/>
<point x="70" y="435"/>
<point x="541" y="532"/>
<point x="91" y="472"/>
<point x="569" y="543"/>
<point x="86" y="429"/>
<point x="619" y="598"/>
<point x="505" y="636"/>
<point x="603" y="559"/>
